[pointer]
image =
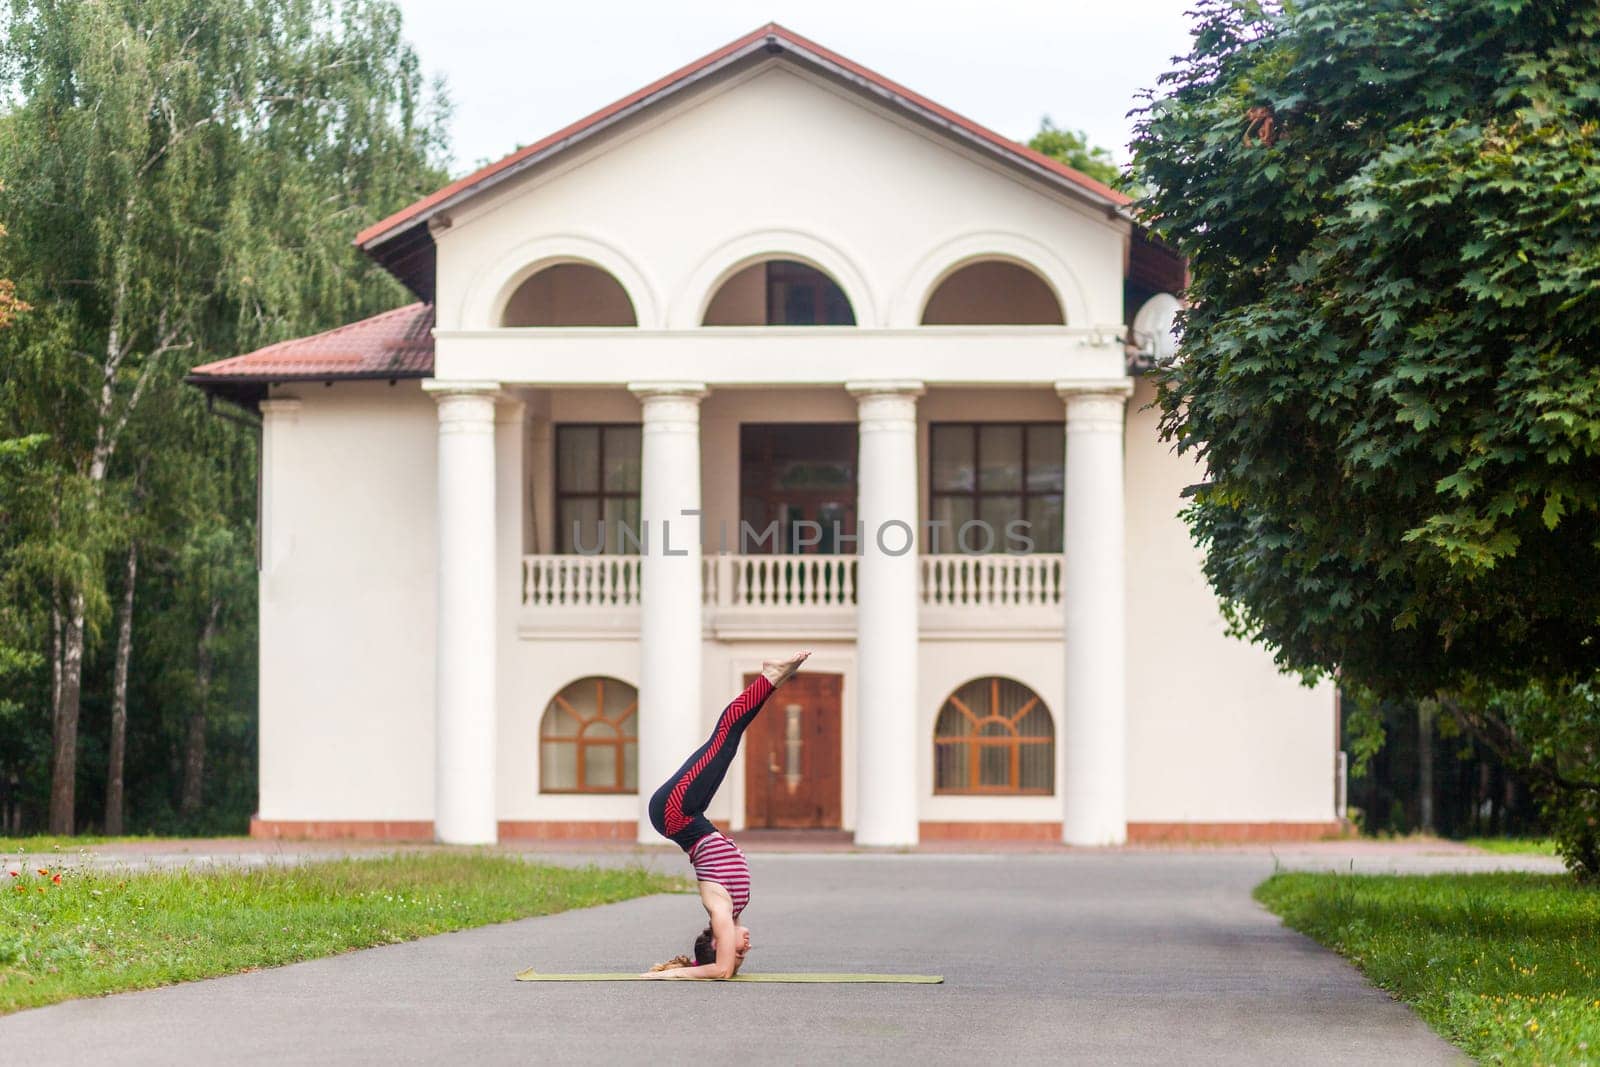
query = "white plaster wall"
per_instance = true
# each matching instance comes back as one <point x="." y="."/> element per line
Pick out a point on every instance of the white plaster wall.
<point x="348" y="605"/>
<point x="671" y="205"/>
<point x="1215" y="734"/>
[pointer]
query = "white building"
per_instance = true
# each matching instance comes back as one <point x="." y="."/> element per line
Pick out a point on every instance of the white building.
<point x="762" y="300"/>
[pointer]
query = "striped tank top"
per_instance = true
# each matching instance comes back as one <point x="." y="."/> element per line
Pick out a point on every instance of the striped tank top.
<point x="717" y="859"/>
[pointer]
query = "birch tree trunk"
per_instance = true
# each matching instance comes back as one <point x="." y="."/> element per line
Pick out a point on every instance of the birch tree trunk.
<point x="194" y="760"/>
<point x="64" y="735"/>
<point x="119" y="698"/>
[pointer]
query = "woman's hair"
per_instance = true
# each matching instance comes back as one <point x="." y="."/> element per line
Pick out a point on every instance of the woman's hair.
<point x="703" y="950"/>
<point x="676" y="961"/>
<point x="703" y="953"/>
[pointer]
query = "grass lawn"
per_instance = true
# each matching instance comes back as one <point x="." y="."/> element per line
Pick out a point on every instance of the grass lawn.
<point x="1527" y="846"/>
<point x="96" y="932"/>
<point x="1507" y="966"/>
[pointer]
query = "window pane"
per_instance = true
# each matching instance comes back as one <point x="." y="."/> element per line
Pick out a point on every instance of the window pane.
<point x="622" y="513"/>
<point x="950" y="767"/>
<point x="558" y="766"/>
<point x="1039" y="767"/>
<point x="994" y="765"/>
<point x="578" y="459"/>
<point x="951" y="448"/>
<point x="599" y="767"/>
<point x="997" y="512"/>
<point x="578" y="526"/>
<point x="630" y="766"/>
<point x="622" y="459"/>
<point x="836" y="307"/>
<point x="1045" y="519"/>
<point x="952" y="511"/>
<point x="1000" y="456"/>
<point x="559" y="722"/>
<point x="1046" y="454"/>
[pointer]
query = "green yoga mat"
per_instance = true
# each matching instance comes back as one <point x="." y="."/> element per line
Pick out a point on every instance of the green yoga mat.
<point x="619" y="976"/>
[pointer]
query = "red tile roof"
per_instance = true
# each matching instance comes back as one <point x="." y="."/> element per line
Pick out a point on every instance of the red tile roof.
<point x="393" y="344"/>
<point x="771" y="39"/>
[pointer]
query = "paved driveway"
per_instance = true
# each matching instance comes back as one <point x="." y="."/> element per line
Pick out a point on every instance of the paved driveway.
<point x="1103" y="957"/>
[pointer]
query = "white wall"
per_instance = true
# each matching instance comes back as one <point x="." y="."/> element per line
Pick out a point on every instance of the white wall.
<point x="1215" y="734"/>
<point x="773" y="162"/>
<point x="347" y="605"/>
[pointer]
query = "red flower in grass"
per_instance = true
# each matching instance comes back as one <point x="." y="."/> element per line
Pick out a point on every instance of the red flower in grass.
<point x="56" y="879"/>
<point x="44" y="870"/>
<point x="15" y="874"/>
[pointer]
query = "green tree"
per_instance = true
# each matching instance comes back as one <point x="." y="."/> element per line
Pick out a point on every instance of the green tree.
<point x="1390" y="212"/>
<point x="182" y="178"/>
<point x="1072" y="148"/>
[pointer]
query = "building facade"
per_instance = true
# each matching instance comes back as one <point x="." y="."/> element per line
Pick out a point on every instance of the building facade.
<point x="773" y="354"/>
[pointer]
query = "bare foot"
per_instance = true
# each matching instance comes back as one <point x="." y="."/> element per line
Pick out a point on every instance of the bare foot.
<point x="778" y="671"/>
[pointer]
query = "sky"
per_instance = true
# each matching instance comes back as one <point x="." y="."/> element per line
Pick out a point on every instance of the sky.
<point x="516" y="70"/>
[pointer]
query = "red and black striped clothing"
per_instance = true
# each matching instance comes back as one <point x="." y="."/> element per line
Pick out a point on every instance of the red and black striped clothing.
<point x="677" y="810"/>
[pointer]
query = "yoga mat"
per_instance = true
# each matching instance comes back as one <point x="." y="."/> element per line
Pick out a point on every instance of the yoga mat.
<point x="618" y="976"/>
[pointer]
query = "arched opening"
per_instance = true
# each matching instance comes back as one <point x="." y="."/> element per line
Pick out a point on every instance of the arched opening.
<point x="993" y="292"/>
<point x="569" y="294"/>
<point x="994" y="736"/>
<point x="589" y="738"/>
<point x="779" y="292"/>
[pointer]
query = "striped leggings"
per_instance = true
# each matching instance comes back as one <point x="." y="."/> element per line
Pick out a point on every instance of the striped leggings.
<point x="677" y="810"/>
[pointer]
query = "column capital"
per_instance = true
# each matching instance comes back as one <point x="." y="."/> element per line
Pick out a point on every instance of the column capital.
<point x="649" y="391"/>
<point x="903" y="388"/>
<point x="1096" y="405"/>
<point x="1121" y="388"/>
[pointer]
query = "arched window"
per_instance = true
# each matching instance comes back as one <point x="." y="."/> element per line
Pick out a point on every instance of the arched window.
<point x="993" y="292"/>
<point x="994" y="735"/>
<point x="589" y="739"/>
<point x="779" y="292"/>
<point x="570" y="294"/>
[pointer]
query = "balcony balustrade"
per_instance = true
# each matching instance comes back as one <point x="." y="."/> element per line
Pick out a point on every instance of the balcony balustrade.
<point x="575" y="593"/>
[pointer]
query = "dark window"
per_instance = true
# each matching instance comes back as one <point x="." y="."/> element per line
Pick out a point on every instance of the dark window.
<point x="798" y="295"/>
<point x="995" y="473"/>
<point x="597" y="488"/>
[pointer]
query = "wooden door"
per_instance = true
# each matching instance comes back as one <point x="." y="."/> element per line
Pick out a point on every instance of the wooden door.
<point x="792" y="773"/>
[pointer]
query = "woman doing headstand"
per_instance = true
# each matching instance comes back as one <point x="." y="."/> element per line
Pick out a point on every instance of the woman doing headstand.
<point x="677" y="810"/>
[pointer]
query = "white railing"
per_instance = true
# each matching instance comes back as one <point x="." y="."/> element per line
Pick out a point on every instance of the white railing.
<point x="580" y="581"/>
<point x="795" y="582"/>
<point x="960" y="581"/>
<point x="781" y="581"/>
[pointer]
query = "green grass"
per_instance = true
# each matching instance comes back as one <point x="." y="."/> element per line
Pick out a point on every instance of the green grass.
<point x="1522" y="846"/>
<point x="100" y="932"/>
<point x="11" y="846"/>
<point x="1506" y="966"/>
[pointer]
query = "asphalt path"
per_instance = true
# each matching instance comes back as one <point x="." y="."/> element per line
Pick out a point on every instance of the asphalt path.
<point x="1067" y="957"/>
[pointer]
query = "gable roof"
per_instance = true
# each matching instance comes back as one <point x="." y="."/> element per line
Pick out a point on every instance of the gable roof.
<point x="403" y="244"/>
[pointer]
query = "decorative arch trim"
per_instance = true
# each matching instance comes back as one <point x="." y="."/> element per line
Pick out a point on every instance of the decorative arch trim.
<point x="944" y="259"/>
<point x="689" y="307"/>
<point x="491" y="290"/>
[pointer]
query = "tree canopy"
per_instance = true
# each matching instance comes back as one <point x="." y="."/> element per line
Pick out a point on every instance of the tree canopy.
<point x="1392" y="345"/>
<point x="1072" y="147"/>
<point x="182" y="178"/>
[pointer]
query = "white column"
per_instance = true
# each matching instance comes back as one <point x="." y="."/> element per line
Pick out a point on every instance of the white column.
<point x="669" y="626"/>
<point x="464" y="728"/>
<point x="1094" y="731"/>
<point x="887" y="744"/>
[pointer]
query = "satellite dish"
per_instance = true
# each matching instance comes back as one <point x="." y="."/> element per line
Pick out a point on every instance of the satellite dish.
<point x="1155" y="329"/>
